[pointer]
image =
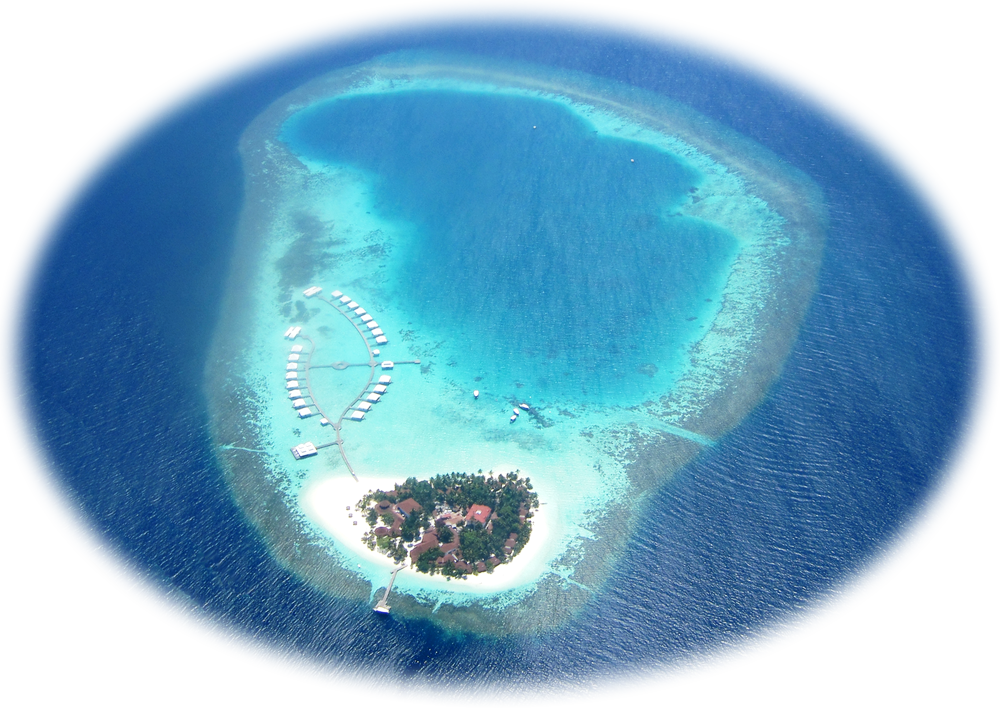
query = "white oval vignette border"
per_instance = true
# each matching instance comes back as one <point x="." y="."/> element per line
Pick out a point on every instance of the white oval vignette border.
<point x="916" y="82"/>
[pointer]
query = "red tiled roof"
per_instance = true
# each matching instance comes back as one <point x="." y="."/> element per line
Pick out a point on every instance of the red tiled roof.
<point x="429" y="541"/>
<point x="408" y="506"/>
<point x="478" y="512"/>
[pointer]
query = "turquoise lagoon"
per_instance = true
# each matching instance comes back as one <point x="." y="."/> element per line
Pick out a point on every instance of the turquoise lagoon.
<point x="631" y="271"/>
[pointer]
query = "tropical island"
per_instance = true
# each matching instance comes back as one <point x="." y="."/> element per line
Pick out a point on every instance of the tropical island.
<point x="454" y="524"/>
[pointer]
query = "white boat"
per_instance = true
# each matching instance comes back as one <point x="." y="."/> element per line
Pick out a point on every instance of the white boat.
<point x="524" y="406"/>
<point x="475" y="394"/>
<point x="513" y="418"/>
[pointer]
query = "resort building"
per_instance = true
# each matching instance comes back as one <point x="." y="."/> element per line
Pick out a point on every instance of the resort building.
<point x="306" y="449"/>
<point x="408" y="506"/>
<point x="480" y="513"/>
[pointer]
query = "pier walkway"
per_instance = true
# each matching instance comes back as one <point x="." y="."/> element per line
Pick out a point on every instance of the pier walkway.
<point x="372" y="364"/>
<point x="382" y="607"/>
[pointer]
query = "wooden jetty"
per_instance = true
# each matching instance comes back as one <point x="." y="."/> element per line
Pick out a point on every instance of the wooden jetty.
<point x="382" y="608"/>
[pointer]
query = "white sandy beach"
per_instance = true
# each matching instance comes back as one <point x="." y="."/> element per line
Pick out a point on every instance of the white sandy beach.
<point x="328" y="503"/>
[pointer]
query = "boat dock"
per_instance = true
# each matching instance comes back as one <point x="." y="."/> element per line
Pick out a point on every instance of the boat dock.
<point x="382" y="608"/>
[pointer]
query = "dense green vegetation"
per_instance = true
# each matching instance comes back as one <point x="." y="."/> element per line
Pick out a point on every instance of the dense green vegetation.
<point x="444" y="503"/>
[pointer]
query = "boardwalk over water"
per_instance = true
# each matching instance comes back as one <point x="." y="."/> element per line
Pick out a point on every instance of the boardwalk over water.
<point x="372" y="364"/>
<point x="382" y="607"/>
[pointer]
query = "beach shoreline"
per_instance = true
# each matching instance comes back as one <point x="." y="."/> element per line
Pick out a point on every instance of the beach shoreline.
<point x="330" y="502"/>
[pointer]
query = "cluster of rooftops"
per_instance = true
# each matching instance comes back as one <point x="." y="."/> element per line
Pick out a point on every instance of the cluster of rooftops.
<point x="366" y="319"/>
<point x="451" y="551"/>
<point x="295" y="390"/>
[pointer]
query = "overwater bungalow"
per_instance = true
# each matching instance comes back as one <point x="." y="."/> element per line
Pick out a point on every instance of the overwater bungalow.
<point x="306" y="449"/>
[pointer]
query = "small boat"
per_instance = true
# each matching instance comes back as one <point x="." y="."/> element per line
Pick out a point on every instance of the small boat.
<point x="524" y="406"/>
<point x="475" y="394"/>
<point x="513" y="418"/>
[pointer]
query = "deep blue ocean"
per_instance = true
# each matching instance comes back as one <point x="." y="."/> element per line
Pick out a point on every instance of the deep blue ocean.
<point x="816" y="482"/>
